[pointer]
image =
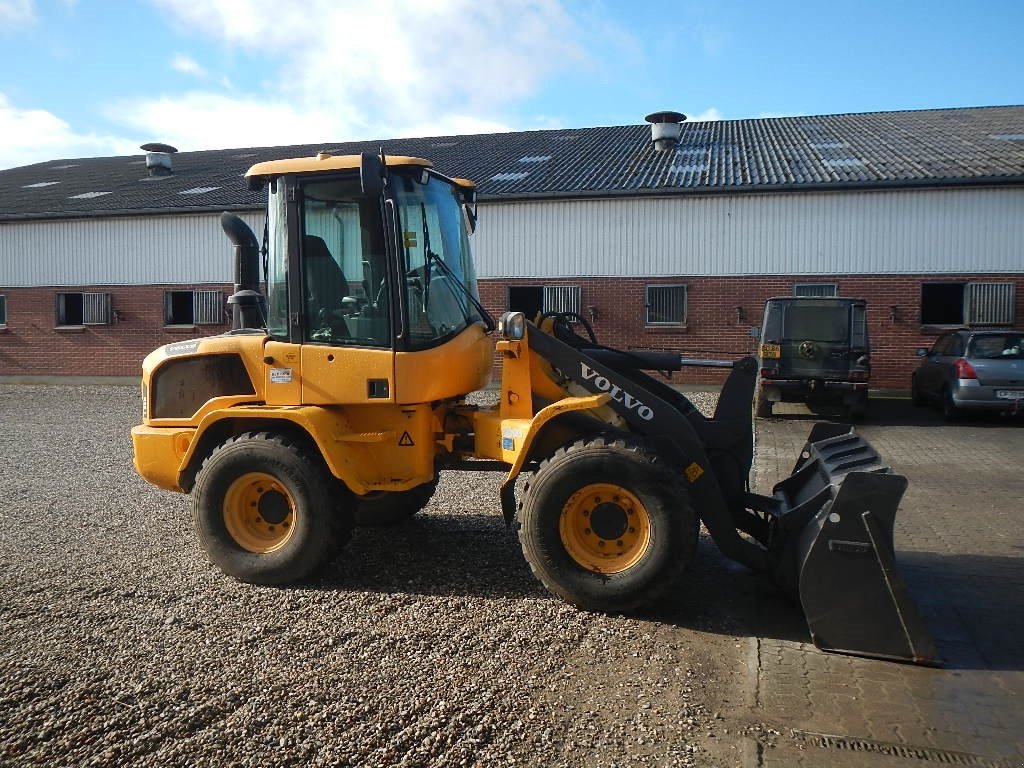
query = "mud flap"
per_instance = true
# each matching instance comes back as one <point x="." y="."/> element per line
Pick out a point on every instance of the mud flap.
<point x="832" y="549"/>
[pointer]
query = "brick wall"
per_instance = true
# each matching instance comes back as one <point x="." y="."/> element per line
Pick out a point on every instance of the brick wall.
<point x="32" y="346"/>
<point x="714" y="329"/>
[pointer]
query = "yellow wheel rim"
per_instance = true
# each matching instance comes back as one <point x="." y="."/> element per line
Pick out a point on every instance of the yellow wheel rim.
<point x="259" y="513"/>
<point x="605" y="528"/>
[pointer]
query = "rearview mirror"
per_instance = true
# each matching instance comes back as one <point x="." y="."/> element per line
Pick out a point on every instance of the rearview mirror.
<point x="371" y="174"/>
<point x="922" y="352"/>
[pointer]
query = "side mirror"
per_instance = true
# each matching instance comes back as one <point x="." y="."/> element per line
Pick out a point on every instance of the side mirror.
<point x="922" y="352"/>
<point x="755" y="331"/>
<point x="371" y="174"/>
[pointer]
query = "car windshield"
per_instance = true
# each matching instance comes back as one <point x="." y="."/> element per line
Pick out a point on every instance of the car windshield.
<point x="994" y="346"/>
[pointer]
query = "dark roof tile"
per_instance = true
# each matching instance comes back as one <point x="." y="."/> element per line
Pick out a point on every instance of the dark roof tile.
<point x="951" y="146"/>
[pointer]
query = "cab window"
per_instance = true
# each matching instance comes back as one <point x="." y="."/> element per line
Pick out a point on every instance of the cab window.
<point x="344" y="274"/>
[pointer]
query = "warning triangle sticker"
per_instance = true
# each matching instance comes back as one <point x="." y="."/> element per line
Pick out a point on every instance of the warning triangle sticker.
<point x="405" y="439"/>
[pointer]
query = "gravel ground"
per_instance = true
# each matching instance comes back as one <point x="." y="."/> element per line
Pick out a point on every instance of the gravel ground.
<point x="425" y="645"/>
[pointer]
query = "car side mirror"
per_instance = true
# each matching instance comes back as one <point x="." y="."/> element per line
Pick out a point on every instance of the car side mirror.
<point x="755" y="331"/>
<point x="922" y="352"/>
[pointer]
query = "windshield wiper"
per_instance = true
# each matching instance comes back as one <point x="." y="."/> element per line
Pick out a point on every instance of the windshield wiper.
<point x="430" y="256"/>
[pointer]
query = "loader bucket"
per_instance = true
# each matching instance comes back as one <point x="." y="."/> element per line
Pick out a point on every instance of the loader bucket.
<point x="832" y="547"/>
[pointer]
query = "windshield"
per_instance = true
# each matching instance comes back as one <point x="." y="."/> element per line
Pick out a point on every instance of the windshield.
<point x="997" y="346"/>
<point x="438" y="266"/>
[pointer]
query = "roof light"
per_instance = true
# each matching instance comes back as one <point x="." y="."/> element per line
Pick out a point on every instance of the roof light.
<point x="88" y="195"/>
<point x="666" y="128"/>
<point x="39" y="184"/>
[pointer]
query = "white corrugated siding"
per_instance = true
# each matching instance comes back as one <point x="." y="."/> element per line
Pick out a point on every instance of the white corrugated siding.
<point x="135" y="250"/>
<point x="908" y="231"/>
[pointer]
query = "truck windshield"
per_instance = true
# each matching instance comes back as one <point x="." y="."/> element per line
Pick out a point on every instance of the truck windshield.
<point x="436" y="259"/>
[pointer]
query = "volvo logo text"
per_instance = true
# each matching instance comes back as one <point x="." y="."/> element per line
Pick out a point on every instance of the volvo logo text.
<point x="618" y="395"/>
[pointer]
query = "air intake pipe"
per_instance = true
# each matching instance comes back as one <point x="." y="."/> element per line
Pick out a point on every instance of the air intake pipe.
<point x="248" y="305"/>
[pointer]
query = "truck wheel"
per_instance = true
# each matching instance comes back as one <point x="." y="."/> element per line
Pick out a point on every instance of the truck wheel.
<point x="392" y="507"/>
<point x="607" y="526"/>
<point x="762" y="405"/>
<point x="263" y="511"/>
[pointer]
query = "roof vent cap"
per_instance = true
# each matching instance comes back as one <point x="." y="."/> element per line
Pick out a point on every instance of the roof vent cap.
<point x="158" y="158"/>
<point x="666" y="128"/>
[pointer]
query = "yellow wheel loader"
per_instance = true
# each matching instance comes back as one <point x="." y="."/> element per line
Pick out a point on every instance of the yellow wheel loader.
<point x="341" y="390"/>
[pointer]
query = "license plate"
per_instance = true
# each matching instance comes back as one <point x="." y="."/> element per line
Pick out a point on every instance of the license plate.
<point x="1010" y="394"/>
<point x="771" y="350"/>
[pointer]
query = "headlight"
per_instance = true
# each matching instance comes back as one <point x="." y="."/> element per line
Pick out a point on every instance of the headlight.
<point x="512" y="325"/>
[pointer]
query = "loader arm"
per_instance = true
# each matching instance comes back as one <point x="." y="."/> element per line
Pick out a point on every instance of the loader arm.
<point x="679" y="430"/>
<point x="825" y="535"/>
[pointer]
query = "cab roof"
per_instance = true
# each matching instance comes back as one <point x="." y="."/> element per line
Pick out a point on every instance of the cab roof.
<point x="324" y="161"/>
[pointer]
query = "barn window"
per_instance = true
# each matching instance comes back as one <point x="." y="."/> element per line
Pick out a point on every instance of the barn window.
<point x="815" y="289"/>
<point x="534" y="299"/>
<point x="665" y="305"/>
<point x="967" y="303"/>
<point x="3" y="311"/>
<point x="83" y="309"/>
<point x="193" y="308"/>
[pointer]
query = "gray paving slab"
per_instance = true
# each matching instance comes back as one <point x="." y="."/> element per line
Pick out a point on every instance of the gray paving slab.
<point x="961" y="553"/>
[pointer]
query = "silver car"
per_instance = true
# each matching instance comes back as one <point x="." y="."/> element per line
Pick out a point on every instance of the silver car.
<point x="972" y="370"/>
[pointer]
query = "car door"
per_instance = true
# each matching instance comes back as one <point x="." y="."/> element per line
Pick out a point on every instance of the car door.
<point x="929" y="375"/>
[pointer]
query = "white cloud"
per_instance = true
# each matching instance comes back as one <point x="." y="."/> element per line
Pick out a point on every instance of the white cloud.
<point x="708" y="115"/>
<point x="187" y="65"/>
<point x="35" y="135"/>
<point x="351" y="70"/>
<point x="207" y="120"/>
<point x="16" y="12"/>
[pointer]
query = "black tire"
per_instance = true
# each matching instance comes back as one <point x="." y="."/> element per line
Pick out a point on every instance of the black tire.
<point x="762" y="405"/>
<point x="317" y="525"/>
<point x="916" y="395"/>
<point x="573" y="472"/>
<point x="857" y="411"/>
<point x="950" y="411"/>
<point x="392" y="507"/>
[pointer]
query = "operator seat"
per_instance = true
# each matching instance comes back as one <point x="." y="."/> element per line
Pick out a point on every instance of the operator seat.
<point x="325" y="283"/>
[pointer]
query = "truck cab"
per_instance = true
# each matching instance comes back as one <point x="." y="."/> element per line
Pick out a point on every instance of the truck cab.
<point x="814" y="350"/>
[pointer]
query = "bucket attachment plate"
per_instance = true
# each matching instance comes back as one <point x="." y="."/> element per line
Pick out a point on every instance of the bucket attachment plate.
<point x="832" y="547"/>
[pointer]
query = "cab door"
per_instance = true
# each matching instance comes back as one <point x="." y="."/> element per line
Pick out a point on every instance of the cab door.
<point x="347" y="354"/>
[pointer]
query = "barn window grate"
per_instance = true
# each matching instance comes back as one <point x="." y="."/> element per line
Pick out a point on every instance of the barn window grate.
<point x="815" y="289"/>
<point x="193" y="308"/>
<point x="666" y="305"/>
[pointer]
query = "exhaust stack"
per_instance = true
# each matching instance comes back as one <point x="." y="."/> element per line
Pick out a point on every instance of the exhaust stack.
<point x="248" y="305"/>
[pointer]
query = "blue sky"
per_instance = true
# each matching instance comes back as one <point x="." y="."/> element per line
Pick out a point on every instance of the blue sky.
<point x="83" y="77"/>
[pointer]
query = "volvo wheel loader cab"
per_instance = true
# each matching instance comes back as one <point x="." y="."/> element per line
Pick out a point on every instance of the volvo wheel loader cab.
<point x="341" y="392"/>
<point x="814" y="350"/>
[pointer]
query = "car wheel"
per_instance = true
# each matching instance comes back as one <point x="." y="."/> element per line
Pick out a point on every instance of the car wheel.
<point x="950" y="411"/>
<point x="916" y="395"/>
